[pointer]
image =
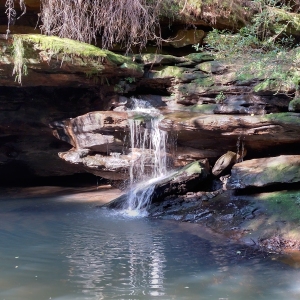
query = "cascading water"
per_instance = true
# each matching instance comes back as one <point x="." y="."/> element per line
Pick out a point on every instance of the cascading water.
<point x="148" y="156"/>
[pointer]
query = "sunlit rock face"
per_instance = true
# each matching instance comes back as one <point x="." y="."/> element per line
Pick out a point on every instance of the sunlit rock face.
<point x="98" y="140"/>
<point x="272" y="133"/>
<point x="98" y="135"/>
<point x="264" y="172"/>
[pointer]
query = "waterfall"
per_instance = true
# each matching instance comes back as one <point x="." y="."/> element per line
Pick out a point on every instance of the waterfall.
<point x="148" y="156"/>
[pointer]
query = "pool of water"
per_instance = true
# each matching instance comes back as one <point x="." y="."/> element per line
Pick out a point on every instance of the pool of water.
<point x="53" y="249"/>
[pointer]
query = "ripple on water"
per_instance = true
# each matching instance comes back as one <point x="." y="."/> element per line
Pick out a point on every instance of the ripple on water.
<point x="75" y="251"/>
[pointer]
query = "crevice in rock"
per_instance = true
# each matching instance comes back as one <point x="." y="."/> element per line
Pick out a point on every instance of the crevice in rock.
<point x="274" y="187"/>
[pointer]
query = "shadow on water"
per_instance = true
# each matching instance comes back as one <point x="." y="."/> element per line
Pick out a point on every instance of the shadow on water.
<point x="70" y="250"/>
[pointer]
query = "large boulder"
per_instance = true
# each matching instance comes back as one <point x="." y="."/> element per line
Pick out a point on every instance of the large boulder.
<point x="225" y="162"/>
<point x="265" y="172"/>
<point x="189" y="178"/>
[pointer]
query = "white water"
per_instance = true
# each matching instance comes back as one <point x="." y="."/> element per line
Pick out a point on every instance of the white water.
<point x="148" y="156"/>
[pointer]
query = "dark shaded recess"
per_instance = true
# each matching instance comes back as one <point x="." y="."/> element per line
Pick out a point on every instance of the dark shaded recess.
<point x="149" y="89"/>
<point x="274" y="187"/>
<point x="59" y="145"/>
<point x="65" y="99"/>
<point x="18" y="174"/>
<point x="29" y="19"/>
<point x="276" y="150"/>
<point x="182" y="51"/>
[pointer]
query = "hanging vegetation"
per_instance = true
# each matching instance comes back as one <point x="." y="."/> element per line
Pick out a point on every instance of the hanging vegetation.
<point x="126" y="22"/>
<point x="12" y="14"/>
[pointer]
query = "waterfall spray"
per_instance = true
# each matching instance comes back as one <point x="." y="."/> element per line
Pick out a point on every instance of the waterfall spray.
<point x="148" y="156"/>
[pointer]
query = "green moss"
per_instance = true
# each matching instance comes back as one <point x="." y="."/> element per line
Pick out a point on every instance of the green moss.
<point x="92" y="58"/>
<point x="284" y="204"/>
<point x="285" y="21"/>
<point x="245" y="77"/>
<point x="204" y="81"/>
<point x="201" y="87"/>
<point x="132" y="66"/>
<point x="294" y="105"/>
<point x="63" y="45"/>
<point x="265" y="85"/>
<point x="70" y="47"/>
<point x="286" y="118"/>
<point x="205" y="67"/>
<point x="154" y="58"/>
<point x="276" y="173"/>
<point x="274" y="86"/>
<point x="169" y="71"/>
<point x="192" y="168"/>
<point x="200" y="57"/>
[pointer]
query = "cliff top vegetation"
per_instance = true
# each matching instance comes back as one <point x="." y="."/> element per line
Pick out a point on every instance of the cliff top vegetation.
<point x="135" y="22"/>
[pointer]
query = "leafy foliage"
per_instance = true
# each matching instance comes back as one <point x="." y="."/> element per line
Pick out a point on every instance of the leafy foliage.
<point x="264" y="47"/>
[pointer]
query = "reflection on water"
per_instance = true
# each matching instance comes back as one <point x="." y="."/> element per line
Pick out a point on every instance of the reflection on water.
<point x="124" y="257"/>
<point x="55" y="250"/>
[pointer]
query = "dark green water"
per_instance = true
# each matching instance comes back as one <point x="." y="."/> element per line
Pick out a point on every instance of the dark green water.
<point x="50" y="249"/>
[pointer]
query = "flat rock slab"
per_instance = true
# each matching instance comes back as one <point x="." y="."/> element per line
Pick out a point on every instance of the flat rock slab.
<point x="265" y="172"/>
<point x="274" y="133"/>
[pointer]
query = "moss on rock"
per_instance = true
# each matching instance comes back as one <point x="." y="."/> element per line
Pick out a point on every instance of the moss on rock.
<point x="200" y="57"/>
<point x="286" y="118"/>
<point x="158" y="59"/>
<point x="169" y="72"/>
<point x="294" y="105"/>
<point x="70" y="47"/>
<point x="273" y="86"/>
<point x="212" y="67"/>
<point x="285" y="204"/>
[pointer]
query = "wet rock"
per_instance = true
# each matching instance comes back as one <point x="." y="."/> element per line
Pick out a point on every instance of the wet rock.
<point x="273" y="86"/>
<point x="265" y="172"/>
<point x="189" y="178"/>
<point x="28" y="148"/>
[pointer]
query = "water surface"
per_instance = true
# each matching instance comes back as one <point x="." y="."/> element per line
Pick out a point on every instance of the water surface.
<point x="53" y="249"/>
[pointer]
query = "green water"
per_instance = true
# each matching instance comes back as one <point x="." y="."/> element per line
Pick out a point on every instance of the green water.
<point x="51" y="249"/>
